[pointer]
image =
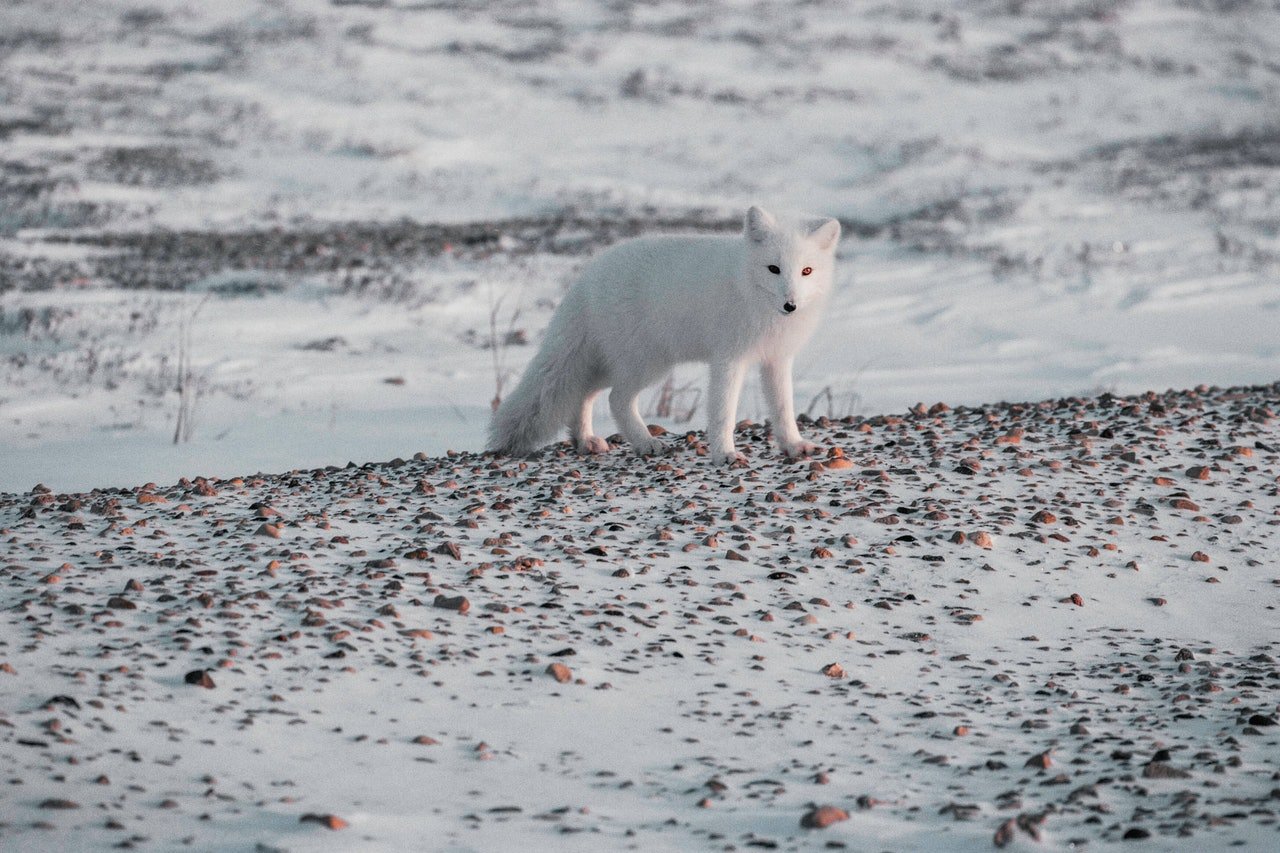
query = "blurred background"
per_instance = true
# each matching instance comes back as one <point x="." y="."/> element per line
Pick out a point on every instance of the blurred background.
<point x="244" y="235"/>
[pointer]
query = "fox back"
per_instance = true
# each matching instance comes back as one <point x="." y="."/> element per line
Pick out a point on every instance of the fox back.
<point x="704" y="298"/>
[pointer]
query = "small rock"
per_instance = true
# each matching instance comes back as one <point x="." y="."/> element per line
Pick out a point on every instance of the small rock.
<point x="199" y="678"/>
<point x="58" y="804"/>
<point x="1032" y="824"/>
<point x="1161" y="770"/>
<point x="328" y="821"/>
<point x="1041" y="760"/>
<point x="833" y="670"/>
<point x="458" y="603"/>
<point x="823" y="816"/>
<point x="449" y="549"/>
<point x="1005" y="833"/>
<point x="560" y="672"/>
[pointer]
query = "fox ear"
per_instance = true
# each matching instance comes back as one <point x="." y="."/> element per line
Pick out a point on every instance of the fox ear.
<point x="760" y="224"/>
<point x="824" y="232"/>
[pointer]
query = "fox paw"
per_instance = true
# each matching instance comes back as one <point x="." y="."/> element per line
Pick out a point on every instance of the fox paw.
<point x="799" y="449"/>
<point x="649" y="447"/>
<point x="590" y="445"/>
<point x="729" y="457"/>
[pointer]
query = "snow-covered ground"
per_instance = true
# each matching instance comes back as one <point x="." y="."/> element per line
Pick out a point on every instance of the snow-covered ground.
<point x="1043" y="198"/>
<point x="1051" y="626"/>
<point x="341" y="227"/>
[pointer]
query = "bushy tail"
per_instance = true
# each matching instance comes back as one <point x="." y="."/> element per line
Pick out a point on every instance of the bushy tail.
<point x="543" y="402"/>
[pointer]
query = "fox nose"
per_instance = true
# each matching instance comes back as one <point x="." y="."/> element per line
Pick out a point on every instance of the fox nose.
<point x="788" y="307"/>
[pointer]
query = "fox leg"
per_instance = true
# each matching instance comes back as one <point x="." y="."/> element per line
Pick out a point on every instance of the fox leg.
<point x="775" y="376"/>
<point x="584" y="438"/>
<point x="626" y="413"/>
<point x="724" y="387"/>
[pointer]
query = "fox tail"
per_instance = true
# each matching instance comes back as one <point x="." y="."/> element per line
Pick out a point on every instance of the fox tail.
<point x="547" y="395"/>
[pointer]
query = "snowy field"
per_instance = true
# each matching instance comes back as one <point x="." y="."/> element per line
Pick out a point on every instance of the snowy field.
<point x="355" y="200"/>
<point x="1048" y="626"/>
<point x="299" y="234"/>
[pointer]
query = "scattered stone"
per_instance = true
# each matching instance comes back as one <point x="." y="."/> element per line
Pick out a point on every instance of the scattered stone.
<point x="58" y="804"/>
<point x="199" y="678"/>
<point x="458" y="603"/>
<point x="1161" y="770"/>
<point x="822" y="817"/>
<point x="1041" y="760"/>
<point x="328" y="821"/>
<point x="449" y="549"/>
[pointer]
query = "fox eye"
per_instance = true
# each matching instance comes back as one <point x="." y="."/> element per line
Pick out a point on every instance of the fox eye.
<point x="806" y="271"/>
<point x="773" y="268"/>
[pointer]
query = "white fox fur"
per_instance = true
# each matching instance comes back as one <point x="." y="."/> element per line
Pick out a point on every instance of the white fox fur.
<point x="646" y="305"/>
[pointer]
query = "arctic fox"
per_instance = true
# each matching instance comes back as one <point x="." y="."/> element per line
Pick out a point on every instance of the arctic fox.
<point x="648" y="304"/>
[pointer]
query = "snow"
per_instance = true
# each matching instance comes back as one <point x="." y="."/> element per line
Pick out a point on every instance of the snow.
<point x="697" y="713"/>
<point x="365" y="213"/>
<point x="1048" y="198"/>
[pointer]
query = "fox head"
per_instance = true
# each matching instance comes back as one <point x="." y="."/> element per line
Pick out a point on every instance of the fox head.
<point x="790" y="262"/>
